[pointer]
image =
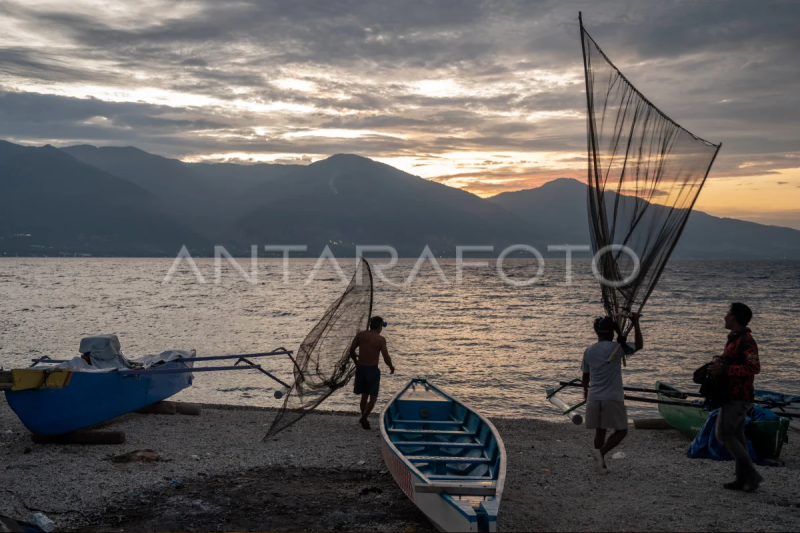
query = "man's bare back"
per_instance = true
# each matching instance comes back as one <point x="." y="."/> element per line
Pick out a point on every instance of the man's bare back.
<point x="371" y="345"/>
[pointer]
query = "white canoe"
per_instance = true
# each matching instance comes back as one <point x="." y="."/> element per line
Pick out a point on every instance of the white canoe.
<point x="446" y="457"/>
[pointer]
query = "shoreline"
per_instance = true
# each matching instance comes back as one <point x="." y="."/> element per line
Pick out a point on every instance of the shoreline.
<point x="326" y="473"/>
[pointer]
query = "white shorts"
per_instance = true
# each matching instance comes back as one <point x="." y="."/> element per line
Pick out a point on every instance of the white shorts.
<point x="606" y="414"/>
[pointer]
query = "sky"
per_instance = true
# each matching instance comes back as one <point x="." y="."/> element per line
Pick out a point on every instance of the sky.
<point x="485" y="96"/>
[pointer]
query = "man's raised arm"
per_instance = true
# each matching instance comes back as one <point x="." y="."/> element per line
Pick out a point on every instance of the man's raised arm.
<point x="386" y="358"/>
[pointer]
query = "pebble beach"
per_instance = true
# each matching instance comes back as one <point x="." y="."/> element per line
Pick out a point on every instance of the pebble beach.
<point x="213" y="473"/>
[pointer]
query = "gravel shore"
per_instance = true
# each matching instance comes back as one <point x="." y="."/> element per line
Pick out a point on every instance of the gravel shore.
<point x="326" y="474"/>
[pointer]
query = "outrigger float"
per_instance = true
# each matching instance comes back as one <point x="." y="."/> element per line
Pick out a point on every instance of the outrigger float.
<point x="56" y="397"/>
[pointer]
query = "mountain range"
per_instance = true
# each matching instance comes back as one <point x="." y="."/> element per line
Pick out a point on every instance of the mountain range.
<point x="123" y="201"/>
<point x="50" y="202"/>
<point x="564" y="201"/>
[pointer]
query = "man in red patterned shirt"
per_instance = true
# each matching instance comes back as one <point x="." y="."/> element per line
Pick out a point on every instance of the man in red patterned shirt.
<point x="739" y="363"/>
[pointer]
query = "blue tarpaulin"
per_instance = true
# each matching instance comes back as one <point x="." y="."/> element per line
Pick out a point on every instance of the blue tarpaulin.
<point x="706" y="445"/>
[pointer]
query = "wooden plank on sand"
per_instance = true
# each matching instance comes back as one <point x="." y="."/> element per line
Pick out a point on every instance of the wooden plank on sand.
<point x="82" y="437"/>
<point x="651" y="423"/>
<point x="170" y="408"/>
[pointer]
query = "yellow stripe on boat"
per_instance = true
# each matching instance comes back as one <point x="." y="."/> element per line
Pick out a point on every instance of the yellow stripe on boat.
<point x="40" y="378"/>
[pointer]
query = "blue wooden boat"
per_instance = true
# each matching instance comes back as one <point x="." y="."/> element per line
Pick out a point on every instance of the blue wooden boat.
<point x="448" y="459"/>
<point x="9" y="524"/>
<point x="65" y="396"/>
<point x="55" y="401"/>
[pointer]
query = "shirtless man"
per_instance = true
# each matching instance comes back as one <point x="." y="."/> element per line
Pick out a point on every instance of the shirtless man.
<point x="370" y="345"/>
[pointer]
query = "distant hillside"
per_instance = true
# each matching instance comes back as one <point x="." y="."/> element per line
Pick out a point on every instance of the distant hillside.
<point x="51" y="203"/>
<point x="560" y="207"/>
<point x="209" y="196"/>
<point x="347" y="200"/>
<point x="123" y="201"/>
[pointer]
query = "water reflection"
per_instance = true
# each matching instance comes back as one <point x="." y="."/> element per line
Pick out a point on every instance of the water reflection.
<point x="492" y="345"/>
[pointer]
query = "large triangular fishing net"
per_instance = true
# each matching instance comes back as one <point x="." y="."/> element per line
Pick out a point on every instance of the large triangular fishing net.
<point x="323" y="364"/>
<point x="645" y="173"/>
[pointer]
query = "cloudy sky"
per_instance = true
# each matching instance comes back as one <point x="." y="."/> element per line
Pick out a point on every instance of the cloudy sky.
<point x="487" y="96"/>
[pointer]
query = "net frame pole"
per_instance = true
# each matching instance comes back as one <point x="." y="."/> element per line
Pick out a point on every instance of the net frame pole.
<point x="371" y="292"/>
<point x="590" y="137"/>
<point x="593" y="172"/>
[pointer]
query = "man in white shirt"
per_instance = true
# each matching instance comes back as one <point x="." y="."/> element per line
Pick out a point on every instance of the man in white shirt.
<point x="602" y="387"/>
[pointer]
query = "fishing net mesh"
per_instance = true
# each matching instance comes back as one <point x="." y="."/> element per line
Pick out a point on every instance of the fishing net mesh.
<point x="323" y="364"/>
<point x="645" y="173"/>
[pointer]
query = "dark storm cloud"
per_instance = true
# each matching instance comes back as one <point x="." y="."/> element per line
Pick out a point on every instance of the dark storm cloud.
<point x="73" y="118"/>
<point x="28" y="63"/>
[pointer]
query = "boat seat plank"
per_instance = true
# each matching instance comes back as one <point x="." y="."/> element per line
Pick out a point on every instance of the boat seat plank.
<point x="432" y="422"/>
<point x="445" y="459"/>
<point x="453" y="477"/>
<point x="429" y="444"/>
<point x="454" y="489"/>
<point x="430" y="432"/>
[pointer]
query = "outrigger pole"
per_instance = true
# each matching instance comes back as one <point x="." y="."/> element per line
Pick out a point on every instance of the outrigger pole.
<point x="241" y="358"/>
<point x="670" y="394"/>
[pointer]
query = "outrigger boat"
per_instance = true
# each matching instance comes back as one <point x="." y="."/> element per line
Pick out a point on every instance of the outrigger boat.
<point x="788" y="405"/>
<point x="55" y="397"/>
<point x="688" y="416"/>
<point x="448" y="459"/>
<point x="768" y="436"/>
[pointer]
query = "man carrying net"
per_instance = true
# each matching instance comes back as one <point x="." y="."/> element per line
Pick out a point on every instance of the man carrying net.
<point x="324" y="364"/>
<point x="370" y="345"/>
<point x="605" y="405"/>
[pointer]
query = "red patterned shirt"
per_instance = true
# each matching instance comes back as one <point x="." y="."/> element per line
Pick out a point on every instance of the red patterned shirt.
<point x="741" y="364"/>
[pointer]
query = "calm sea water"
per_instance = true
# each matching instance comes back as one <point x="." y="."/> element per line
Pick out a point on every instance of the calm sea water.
<point x="493" y="345"/>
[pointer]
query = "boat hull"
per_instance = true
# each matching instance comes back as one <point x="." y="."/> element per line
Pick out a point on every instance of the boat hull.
<point x="767" y="437"/>
<point x="465" y="454"/>
<point x="89" y="398"/>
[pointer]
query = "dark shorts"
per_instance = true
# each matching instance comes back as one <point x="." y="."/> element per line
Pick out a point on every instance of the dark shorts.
<point x="368" y="380"/>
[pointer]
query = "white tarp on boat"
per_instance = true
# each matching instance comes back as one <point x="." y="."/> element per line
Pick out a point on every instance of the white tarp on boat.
<point x="104" y="352"/>
<point x="79" y="365"/>
<point x="164" y="357"/>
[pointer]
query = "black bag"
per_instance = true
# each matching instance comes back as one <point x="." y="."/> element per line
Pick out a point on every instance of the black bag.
<point x="700" y="375"/>
<point x="713" y="388"/>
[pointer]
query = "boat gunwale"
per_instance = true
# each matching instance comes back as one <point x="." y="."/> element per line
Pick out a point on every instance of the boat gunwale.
<point x="660" y="385"/>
